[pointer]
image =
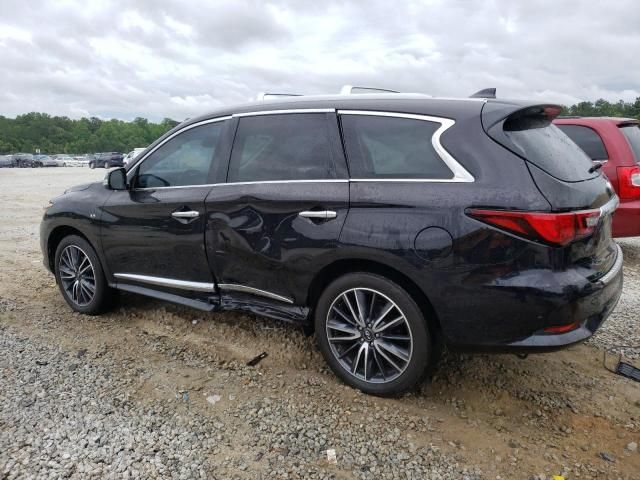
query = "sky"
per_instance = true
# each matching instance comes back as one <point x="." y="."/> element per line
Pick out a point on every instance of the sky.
<point x="168" y="58"/>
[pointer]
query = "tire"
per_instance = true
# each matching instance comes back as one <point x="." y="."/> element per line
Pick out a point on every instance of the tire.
<point x="70" y="254"/>
<point x="106" y="165"/>
<point x="403" y="329"/>
<point x="92" y="165"/>
<point x="64" y="164"/>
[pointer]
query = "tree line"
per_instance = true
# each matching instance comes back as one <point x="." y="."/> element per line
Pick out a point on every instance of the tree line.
<point x="52" y="134"/>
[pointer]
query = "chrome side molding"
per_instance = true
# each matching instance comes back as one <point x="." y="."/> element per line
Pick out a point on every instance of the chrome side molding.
<point x="167" y="282"/>
<point x="232" y="287"/>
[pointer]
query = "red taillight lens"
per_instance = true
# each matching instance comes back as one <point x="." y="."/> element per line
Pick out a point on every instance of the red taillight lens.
<point x="562" y="328"/>
<point x="553" y="228"/>
<point x="629" y="182"/>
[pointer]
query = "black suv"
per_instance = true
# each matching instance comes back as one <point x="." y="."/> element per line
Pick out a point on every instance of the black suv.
<point x="107" y="160"/>
<point x="390" y="224"/>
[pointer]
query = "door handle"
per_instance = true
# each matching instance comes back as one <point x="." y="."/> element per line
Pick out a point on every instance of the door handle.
<point x="188" y="214"/>
<point x="322" y="214"/>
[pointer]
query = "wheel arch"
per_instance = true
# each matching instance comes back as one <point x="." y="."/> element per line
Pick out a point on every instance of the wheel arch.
<point x="344" y="266"/>
<point x="56" y="236"/>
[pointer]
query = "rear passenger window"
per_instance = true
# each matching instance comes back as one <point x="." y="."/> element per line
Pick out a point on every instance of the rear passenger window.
<point x="392" y="147"/>
<point x="282" y="147"/>
<point x="587" y="139"/>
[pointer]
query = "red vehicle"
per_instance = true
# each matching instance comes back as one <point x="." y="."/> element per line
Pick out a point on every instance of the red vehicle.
<point x="615" y="143"/>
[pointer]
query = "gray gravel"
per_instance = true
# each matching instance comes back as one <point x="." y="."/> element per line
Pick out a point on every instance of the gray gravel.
<point x="64" y="415"/>
<point x="622" y="329"/>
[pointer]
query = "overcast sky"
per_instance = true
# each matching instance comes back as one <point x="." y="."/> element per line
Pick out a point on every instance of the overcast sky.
<point x="169" y="58"/>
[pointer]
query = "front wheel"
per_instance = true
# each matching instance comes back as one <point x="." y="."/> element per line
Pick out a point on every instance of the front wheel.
<point x="80" y="276"/>
<point x="373" y="335"/>
<point x="106" y="165"/>
<point x="92" y="165"/>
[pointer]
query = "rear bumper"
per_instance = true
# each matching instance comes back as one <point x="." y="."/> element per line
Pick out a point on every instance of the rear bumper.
<point x="626" y="220"/>
<point x="549" y="304"/>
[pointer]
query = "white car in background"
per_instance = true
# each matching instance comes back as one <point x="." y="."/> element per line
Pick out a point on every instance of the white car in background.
<point x="64" y="160"/>
<point x="129" y="157"/>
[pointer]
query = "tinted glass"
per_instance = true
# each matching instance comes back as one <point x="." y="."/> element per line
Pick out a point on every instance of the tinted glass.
<point x="388" y="147"/>
<point x="632" y="132"/>
<point x="546" y="146"/>
<point x="281" y="147"/>
<point x="184" y="160"/>
<point x="587" y="139"/>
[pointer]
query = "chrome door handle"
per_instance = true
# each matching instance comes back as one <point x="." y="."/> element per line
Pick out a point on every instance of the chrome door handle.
<point x="323" y="214"/>
<point x="189" y="214"/>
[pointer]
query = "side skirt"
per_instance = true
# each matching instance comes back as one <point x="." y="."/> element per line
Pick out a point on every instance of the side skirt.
<point x="235" y="301"/>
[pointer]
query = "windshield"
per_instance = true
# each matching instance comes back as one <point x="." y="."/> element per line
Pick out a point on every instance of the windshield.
<point x="632" y="132"/>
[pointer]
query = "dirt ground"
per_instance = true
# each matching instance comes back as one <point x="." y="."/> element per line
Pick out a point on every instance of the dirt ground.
<point x="498" y="416"/>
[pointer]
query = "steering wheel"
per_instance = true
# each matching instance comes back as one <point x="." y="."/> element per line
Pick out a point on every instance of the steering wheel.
<point x="148" y="176"/>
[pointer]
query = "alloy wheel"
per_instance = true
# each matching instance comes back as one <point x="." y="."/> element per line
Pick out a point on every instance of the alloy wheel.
<point x="77" y="275"/>
<point x="369" y="335"/>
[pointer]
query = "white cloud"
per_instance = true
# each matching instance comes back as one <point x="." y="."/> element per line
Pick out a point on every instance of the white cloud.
<point x="158" y="58"/>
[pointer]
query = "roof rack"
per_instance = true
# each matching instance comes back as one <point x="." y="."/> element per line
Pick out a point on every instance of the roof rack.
<point x="349" y="90"/>
<point x="268" y="95"/>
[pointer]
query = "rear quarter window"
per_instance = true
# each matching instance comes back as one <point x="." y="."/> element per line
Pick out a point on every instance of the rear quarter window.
<point x="392" y="147"/>
<point x="632" y="133"/>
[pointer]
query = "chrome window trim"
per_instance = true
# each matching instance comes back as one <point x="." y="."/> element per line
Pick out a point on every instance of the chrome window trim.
<point x="232" y="287"/>
<point x="172" y="136"/>
<point x="167" y="282"/>
<point x="460" y="174"/>
<point x="282" y="112"/>
<point x="210" y="185"/>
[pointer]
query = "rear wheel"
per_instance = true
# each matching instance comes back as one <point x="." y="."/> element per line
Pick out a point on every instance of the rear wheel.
<point x="373" y="335"/>
<point x="92" y="165"/>
<point x="106" y="165"/>
<point x="80" y="276"/>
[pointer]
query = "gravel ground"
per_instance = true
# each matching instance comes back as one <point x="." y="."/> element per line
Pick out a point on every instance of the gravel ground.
<point x="152" y="390"/>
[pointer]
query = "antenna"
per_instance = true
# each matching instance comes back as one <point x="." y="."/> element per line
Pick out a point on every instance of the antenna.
<point x="484" y="93"/>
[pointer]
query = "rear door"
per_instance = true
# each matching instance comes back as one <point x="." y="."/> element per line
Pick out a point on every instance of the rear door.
<point x="277" y="219"/>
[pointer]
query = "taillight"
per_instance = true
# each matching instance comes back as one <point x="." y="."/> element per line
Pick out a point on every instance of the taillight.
<point x="552" y="228"/>
<point x="629" y="182"/>
<point x="563" y="328"/>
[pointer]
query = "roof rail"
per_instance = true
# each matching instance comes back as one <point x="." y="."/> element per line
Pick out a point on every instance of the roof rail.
<point x="484" y="93"/>
<point x="268" y="95"/>
<point x="349" y="90"/>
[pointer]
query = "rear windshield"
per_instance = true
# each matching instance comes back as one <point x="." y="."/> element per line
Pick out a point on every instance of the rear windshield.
<point x="546" y="146"/>
<point x="632" y="132"/>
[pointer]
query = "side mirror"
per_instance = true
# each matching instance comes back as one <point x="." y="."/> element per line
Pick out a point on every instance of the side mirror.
<point x="116" y="179"/>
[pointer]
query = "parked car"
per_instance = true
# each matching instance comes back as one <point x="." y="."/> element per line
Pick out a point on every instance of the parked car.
<point x="615" y="144"/>
<point x="24" y="160"/>
<point x="106" y="160"/>
<point x="44" y="161"/>
<point x="389" y="224"/>
<point x="63" y="160"/>
<point x="7" y="161"/>
<point x="129" y="157"/>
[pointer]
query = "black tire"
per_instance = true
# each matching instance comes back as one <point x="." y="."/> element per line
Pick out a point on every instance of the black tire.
<point x="92" y="165"/>
<point x="103" y="294"/>
<point x="106" y="165"/>
<point x="421" y="354"/>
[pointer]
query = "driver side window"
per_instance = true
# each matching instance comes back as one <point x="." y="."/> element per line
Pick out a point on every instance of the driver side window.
<point x="184" y="160"/>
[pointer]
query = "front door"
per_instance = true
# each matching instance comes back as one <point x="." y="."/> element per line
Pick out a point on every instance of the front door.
<point x="153" y="233"/>
<point x="278" y="218"/>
